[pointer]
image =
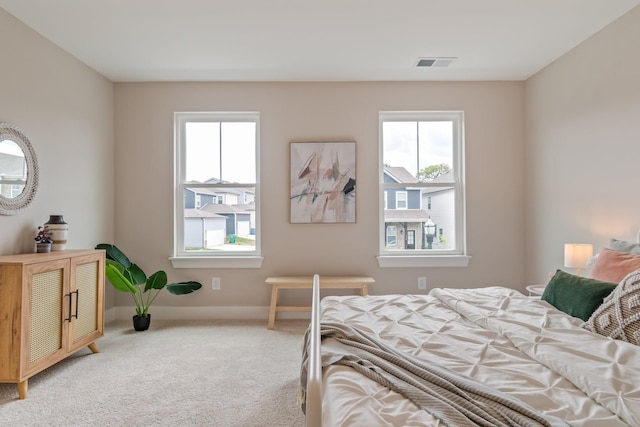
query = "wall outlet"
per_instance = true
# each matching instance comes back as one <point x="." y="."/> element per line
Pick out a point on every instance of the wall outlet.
<point x="422" y="283"/>
<point x="215" y="283"/>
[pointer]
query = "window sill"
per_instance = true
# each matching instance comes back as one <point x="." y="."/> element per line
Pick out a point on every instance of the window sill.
<point x="423" y="260"/>
<point x="217" y="262"/>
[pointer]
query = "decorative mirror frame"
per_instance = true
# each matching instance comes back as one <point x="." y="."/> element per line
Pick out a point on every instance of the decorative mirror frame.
<point x="14" y="205"/>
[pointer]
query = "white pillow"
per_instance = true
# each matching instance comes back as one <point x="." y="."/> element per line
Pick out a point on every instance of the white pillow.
<point x="623" y="246"/>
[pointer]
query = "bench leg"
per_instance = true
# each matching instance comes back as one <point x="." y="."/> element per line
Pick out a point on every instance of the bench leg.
<point x="272" y="308"/>
<point x="363" y="290"/>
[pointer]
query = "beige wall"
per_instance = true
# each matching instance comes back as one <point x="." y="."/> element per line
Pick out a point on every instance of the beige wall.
<point x="311" y="112"/>
<point x="583" y="147"/>
<point x="66" y="110"/>
<point x="567" y="173"/>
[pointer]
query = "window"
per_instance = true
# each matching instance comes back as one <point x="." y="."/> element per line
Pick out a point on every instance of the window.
<point x="401" y="200"/>
<point x="422" y="177"/>
<point x="392" y="238"/>
<point x="216" y="190"/>
<point x="16" y="190"/>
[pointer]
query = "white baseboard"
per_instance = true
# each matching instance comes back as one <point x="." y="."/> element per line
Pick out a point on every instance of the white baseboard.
<point x="202" y="313"/>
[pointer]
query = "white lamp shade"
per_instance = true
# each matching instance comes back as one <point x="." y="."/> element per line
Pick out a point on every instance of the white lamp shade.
<point x="576" y="255"/>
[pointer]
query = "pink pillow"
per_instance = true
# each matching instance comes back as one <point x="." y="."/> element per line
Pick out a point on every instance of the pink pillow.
<point x="612" y="266"/>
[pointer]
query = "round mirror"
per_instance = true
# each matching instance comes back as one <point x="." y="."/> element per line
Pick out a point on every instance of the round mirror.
<point x="18" y="170"/>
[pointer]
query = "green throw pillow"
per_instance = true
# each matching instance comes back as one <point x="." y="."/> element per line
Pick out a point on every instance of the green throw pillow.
<point x="577" y="296"/>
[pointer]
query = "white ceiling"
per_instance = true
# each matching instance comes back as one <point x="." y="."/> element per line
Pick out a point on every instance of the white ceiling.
<point x="312" y="40"/>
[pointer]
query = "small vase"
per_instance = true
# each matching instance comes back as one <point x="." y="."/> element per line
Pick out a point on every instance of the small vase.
<point x="59" y="230"/>
<point x="141" y="323"/>
<point x="43" y="248"/>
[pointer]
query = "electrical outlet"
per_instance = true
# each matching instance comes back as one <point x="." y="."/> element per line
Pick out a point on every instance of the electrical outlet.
<point x="422" y="283"/>
<point x="215" y="283"/>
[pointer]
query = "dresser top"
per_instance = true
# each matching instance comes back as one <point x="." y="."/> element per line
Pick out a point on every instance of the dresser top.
<point x="42" y="257"/>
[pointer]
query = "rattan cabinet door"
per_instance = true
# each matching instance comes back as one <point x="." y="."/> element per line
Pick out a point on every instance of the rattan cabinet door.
<point x="44" y="327"/>
<point x="86" y="292"/>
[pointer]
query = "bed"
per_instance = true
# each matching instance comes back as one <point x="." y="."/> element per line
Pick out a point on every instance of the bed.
<point x="487" y="356"/>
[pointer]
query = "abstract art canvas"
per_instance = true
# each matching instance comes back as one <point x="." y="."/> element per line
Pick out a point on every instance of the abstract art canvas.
<point x="323" y="182"/>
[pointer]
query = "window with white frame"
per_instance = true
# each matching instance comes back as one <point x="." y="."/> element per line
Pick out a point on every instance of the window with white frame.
<point x="16" y="190"/>
<point x="216" y="190"/>
<point x="401" y="200"/>
<point x="392" y="235"/>
<point x="422" y="183"/>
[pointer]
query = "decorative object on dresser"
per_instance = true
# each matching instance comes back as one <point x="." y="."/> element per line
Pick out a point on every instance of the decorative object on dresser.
<point x="52" y="305"/>
<point x="577" y="255"/>
<point x="43" y="239"/>
<point x="59" y="231"/>
<point x="126" y="276"/>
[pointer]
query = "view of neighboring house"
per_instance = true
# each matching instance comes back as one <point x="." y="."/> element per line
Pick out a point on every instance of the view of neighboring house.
<point x="440" y="203"/>
<point x="408" y="210"/>
<point x="215" y="215"/>
<point x="13" y="176"/>
<point x="404" y="217"/>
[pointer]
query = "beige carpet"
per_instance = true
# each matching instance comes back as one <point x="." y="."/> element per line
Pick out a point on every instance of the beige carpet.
<point x="178" y="373"/>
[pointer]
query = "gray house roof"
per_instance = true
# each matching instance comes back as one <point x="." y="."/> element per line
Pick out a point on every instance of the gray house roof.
<point x="221" y="208"/>
<point x="247" y="207"/>
<point x="446" y="177"/>
<point x="195" y="213"/>
<point x="400" y="174"/>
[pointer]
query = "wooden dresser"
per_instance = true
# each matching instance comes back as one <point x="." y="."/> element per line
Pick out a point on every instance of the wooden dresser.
<point x="51" y="305"/>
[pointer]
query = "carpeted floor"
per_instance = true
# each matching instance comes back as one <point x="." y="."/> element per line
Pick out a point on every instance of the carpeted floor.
<point x="178" y="373"/>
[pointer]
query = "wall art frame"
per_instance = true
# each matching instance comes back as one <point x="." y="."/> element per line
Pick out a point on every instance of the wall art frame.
<point x="323" y="182"/>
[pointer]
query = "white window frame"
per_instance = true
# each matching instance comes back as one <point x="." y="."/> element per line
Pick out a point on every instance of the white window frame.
<point x="16" y="190"/>
<point x="211" y="259"/>
<point x="457" y="257"/>
<point x="405" y="200"/>
<point x="394" y="235"/>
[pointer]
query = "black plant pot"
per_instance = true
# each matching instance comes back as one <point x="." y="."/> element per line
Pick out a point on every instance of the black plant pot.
<point x="141" y="323"/>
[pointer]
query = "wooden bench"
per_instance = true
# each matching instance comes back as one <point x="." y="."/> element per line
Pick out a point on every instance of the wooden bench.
<point x="306" y="282"/>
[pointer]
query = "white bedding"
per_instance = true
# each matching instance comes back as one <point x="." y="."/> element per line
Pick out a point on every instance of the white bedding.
<point x="515" y="344"/>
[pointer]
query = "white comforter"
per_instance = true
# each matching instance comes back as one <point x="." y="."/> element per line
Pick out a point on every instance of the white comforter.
<point x="518" y="345"/>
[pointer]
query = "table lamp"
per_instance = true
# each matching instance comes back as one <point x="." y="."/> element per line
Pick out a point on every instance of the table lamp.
<point x="576" y="255"/>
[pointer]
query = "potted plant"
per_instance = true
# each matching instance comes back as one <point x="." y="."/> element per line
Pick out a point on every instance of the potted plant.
<point x="44" y="239"/>
<point x="126" y="276"/>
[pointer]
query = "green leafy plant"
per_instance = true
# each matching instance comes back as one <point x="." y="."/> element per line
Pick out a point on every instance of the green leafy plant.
<point x="126" y="276"/>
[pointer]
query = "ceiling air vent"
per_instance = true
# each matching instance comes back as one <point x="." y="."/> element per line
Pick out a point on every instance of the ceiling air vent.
<point x="435" y="62"/>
